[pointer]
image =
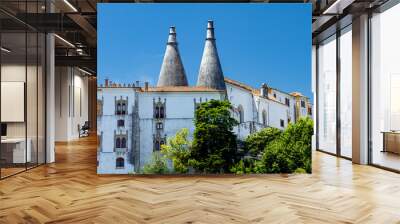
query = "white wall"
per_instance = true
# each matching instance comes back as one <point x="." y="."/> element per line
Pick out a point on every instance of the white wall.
<point x="71" y="102"/>
<point x="179" y="114"/>
<point x="239" y="96"/>
<point x="107" y="125"/>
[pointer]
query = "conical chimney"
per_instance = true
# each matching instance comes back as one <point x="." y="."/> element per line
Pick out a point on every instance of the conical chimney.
<point x="172" y="72"/>
<point x="210" y="73"/>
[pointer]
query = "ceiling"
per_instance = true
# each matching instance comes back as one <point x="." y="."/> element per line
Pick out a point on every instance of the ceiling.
<point x="75" y="21"/>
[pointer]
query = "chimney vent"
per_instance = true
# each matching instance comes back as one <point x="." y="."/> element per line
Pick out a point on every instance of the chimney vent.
<point x="264" y="90"/>
<point x="210" y="72"/>
<point x="210" y="30"/>
<point x="172" y="72"/>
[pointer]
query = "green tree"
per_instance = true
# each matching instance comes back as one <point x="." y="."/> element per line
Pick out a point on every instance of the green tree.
<point x="178" y="150"/>
<point x="157" y="165"/>
<point x="291" y="151"/>
<point x="214" y="146"/>
<point x="256" y="142"/>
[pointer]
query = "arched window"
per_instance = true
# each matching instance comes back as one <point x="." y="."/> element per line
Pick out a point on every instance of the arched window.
<point x="158" y="143"/>
<point x="159" y="111"/>
<point x="123" y="108"/>
<point x="157" y="146"/>
<point x="123" y="143"/>
<point x="241" y="114"/>
<point x="264" y="117"/>
<point x="119" y="108"/>
<point x="119" y="162"/>
<point x="117" y="143"/>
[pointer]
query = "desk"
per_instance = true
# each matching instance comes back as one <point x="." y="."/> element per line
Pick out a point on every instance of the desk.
<point x="391" y="141"/>
<point x="13" y="150"/>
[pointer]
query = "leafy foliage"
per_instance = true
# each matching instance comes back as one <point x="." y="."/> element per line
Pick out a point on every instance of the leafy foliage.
<point x="178" y="150"/>
<point x="291" y="150"/>
<point x="282" y="152"/>
<point x="157" y="165"/>
<point x="214" y="146"/>
<point x="255" y="143"/>
<point x="244" y="166"/>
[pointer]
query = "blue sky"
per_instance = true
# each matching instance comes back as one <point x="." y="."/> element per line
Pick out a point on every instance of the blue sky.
<point x="256" y="43"/>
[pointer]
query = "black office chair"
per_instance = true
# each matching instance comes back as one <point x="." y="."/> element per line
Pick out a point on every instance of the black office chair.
<point x="84" y="130"/>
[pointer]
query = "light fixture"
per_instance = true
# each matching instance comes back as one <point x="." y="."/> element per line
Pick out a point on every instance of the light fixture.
<point x="64" y="40"/>
<point x="84" y="71"/>
<point x="79" y="51"/>
<point x="337" y="7"/>
<point x="70" y="5"/>
<point x="5" y="50"/>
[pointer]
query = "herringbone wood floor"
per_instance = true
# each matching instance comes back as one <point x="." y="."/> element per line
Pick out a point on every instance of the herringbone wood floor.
<point x="69" y="191"/>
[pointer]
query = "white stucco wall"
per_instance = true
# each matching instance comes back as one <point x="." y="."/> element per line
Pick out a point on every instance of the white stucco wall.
<point x="71" y="102"/>
<point x="107" y="128"/>
<point x="239" y="96"/>
<point x="179" y="114"/>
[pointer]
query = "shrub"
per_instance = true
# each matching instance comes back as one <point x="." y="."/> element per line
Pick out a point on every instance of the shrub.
<point x="244" y="166"/>
<point x="178" y="150"/>
<point x="283" y="152"/>
<point x="291" y="150"/>
<point x="256" y="142"/>
<point x="157" y="165"/>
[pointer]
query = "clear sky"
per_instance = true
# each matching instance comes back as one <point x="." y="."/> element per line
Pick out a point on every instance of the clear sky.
<point x="257" y="43"/>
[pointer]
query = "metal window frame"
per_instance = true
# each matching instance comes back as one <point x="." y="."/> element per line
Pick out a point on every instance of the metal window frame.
<point x="339" y="28"/>
<point x="381" y="9"/>
<point x="44" y="73"/>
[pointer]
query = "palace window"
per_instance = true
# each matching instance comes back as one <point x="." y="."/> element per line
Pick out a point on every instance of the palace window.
<point x="121" y="107"/>
<point x="121" y="123"/>
<point x="158" y="142"/>
<point x="120" y="163"/>
<point x="282" y="123"/>
<point x="303" y="104"/>
<point x="121" y="141"/>
<point x="159" y="110"/>
<point x="264" y="117"/>
<point x="287" y="101"/>
<point x="118" y="143"/>
<point x="241" y="114"/>
<point x="99" y="107"/>
<point x="159" y="125"/>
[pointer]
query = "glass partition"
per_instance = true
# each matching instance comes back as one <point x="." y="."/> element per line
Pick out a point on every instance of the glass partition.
<point x="22" y="77"/>
<point x="327" y="95"/>
<point x="346" y="92"/>
<point x="13" y="94"/>
<point x="385" y="89"/>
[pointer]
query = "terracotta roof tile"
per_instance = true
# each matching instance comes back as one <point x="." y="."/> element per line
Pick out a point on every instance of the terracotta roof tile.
<point x="239" y="84"/>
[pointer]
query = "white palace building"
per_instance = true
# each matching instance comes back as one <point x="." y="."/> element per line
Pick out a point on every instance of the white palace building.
<point x="134" y="120"/>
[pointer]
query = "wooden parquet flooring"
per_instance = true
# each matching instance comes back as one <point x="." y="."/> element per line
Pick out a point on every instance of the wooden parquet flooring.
<point x="70" y="191"/>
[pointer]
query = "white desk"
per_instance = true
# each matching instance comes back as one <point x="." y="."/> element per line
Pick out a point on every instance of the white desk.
<point x="19" y="155"/>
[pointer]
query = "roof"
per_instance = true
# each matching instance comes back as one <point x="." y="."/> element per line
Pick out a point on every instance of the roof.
<point x="180" y="89"/>
<point x="210" y="73"/>
<point x="172" y="72"/>
<point x="239" y="84"/>
<point x="254" y="91"/>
